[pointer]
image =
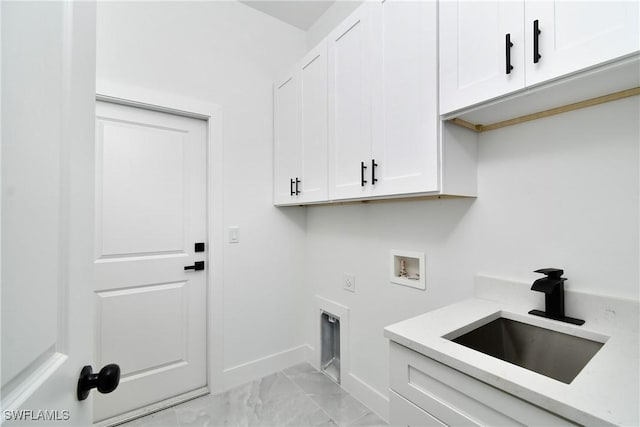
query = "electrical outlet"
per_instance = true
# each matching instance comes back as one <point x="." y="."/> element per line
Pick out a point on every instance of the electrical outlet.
<point x="349" y="282"/>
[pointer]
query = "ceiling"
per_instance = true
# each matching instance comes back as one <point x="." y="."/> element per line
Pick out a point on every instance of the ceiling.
<point x="299" y="13"/>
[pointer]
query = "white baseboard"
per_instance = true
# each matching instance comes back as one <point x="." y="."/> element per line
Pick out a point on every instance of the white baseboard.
<point x="311" y="357"/>
<point x="154" y="407"/>
<point x="367" y="395"/>
<point x="250" y="371"/>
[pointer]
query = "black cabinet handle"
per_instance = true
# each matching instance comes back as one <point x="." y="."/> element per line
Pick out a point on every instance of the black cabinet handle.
<point x="297" y="183"/>
<point x="508" y="45"/>
<point x="536" y="45"/>
<point x="197" y="266"/>
<point x="105" y="381"/>
<point x="362" y="180"/>
<point x="291" y="187"/>
<point x="373" y="172"/>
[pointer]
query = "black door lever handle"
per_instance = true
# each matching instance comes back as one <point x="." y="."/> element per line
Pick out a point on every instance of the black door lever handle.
<point x="198" y="265"/>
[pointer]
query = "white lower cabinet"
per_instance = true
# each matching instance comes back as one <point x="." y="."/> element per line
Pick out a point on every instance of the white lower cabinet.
<point x="404" y="413"/>
<point x="449" y="397"/>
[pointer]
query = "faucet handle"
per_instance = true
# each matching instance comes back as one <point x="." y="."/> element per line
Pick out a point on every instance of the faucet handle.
<point x="552" y="273"/>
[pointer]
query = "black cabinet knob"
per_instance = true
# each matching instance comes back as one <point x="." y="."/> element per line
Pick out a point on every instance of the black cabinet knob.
<point x="105" y="381"/>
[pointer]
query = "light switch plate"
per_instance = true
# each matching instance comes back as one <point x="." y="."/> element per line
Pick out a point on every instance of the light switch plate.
<point x="349" y="282"/>
<point x="234" y="234"/>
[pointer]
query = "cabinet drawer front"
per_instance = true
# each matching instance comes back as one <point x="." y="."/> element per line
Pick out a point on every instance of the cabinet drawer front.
<point x="404" y="413"/>
<point x="458" y="399"/>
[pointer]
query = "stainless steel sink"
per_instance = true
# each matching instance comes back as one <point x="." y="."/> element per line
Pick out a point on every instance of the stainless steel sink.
<point x="551" y="353"/>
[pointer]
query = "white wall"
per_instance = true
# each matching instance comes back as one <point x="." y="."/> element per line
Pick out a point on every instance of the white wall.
<point x="557" y="192"/>
<point x="228" y="54"/>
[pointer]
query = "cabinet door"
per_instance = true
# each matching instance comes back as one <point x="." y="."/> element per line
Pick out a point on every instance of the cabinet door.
<point x="349" y="47"/>
<point x="473" y="54"/>
<point x="405" y="107"/>
<point x="578" y="34"/>
<point x="286" y="137"/>
<point x="313" y="166"/>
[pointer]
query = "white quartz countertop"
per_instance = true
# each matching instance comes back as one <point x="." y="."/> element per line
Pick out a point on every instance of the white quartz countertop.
<point x="605" y="392"/>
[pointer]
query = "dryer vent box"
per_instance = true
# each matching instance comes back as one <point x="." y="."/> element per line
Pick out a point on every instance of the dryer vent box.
<point x="330" y="343"/>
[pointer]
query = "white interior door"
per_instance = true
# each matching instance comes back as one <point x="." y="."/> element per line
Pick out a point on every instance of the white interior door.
<point x="48" y="95"/>
<point x="150" y="212"/>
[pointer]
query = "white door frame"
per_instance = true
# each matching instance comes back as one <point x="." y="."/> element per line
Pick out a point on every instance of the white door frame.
<point x="212" y="113"/>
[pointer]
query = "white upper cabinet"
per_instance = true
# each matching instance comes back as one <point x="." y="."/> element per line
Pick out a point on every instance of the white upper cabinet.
<point x="371" y="98"/>
<point x="547" y="39"/>
<point x="350" y="61"/>
<point x="405" y="101"/>
<point x="385" y="137"/>
<point x="300" y="148"/>
<point x="313" y="156"/>
<point x="481" y="51"/>
<point x="286" y="137"/>
<point x="578" y="34"/>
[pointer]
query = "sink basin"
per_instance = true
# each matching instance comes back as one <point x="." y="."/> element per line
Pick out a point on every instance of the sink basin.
<point x="554" y="354"/>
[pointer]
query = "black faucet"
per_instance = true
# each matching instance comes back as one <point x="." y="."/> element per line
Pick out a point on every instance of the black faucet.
<point x="553" y="287"/>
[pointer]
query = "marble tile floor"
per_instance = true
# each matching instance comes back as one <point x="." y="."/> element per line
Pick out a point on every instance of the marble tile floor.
<point x="298" y="396"/>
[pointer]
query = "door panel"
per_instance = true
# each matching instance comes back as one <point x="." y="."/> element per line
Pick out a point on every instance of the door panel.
<point x="405" y="136"/>
<point x="472" y="51"/>
<point x="139" y="198"/>
<point x="575" y="35"/>
<point x="349" y="104"/>
<point x="313" y="79"/>
<point x="150" y="210"/>
<point x="48" y="93"/>
<point x="32" y="176"/>
<point x="287" y="137"/>
<point x="164" y="336"/>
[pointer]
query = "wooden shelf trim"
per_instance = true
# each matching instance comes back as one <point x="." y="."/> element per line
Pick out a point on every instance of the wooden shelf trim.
<point x="546" y="113"/>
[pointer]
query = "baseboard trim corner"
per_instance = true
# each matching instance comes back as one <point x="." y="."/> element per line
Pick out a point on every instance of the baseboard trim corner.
<point x="369" y="396"/>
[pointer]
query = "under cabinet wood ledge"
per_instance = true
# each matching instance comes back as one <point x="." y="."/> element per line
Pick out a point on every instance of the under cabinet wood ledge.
<point x="546" y="113"/>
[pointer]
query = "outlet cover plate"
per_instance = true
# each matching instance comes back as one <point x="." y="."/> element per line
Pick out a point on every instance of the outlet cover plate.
<point x="349" y="282"/>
